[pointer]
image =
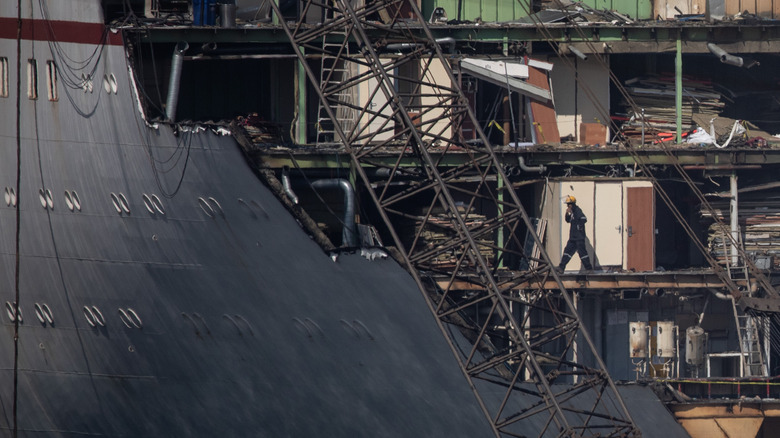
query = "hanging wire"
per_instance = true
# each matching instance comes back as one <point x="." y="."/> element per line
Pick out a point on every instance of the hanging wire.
<point x="183" y="145"/>
<point x="70" y="68"/>
<point x="18" y="209"/>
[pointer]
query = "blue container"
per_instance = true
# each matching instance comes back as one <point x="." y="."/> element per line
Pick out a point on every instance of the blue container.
<point x="204" y="12"/>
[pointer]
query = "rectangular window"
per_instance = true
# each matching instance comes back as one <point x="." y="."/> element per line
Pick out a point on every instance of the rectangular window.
<point x="51" y="80"/>
<point x="3" y="77"/>
<point x="32" y="79"/>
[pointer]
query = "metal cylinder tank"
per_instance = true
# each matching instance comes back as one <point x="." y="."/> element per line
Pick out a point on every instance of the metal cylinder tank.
<point x="696" y="345"/>
<point x="637" y="337"/>
<point x="227" y="15"/>
<point x="665" y="339"/>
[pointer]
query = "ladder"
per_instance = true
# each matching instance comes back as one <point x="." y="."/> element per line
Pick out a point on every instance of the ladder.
<point x="738" y="273"/>
<point x="334" y="73"/>
<point x="749" y="343"/>
<point x="752" y="358"/>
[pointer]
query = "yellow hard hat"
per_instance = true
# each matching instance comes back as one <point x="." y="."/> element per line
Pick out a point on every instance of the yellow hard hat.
<point x="570" y="200"/>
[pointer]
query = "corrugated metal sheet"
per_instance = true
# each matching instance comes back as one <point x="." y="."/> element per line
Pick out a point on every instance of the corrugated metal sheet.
<point x="474" y="10"/>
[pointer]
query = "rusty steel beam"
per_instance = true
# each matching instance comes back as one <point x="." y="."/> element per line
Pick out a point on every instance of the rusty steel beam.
<point x="604" y="280"/>
<point x="415" y="122"/>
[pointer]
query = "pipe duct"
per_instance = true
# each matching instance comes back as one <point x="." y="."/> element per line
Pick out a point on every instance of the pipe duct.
<point x="175" y="80"/>
<point x="348" y="235"/>
<point x="526" y="168"/>
<point x="287" y="187"/>
<point x="577" y="53"/>
<point x="724" y="56"/>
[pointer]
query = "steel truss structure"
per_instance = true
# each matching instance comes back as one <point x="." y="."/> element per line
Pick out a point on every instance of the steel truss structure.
<point x="523" y="352"/>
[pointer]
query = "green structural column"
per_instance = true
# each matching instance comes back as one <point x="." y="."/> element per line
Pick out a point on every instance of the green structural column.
<point x="678" y="88"/>
<point x="500" y="235"/>
<point x="300" y="82"/>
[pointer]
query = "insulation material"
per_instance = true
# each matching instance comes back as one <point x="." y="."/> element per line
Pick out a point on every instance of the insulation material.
<point x="545" y="124"/>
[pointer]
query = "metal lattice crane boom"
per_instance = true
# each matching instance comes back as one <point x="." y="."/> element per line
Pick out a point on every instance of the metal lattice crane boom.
<point x="521" y="351"/>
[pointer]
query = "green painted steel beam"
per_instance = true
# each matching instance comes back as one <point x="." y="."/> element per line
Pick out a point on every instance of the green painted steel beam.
<point x="498" y="33"/>
<point x="549" y="157"/>
<point x="678" y="69"/>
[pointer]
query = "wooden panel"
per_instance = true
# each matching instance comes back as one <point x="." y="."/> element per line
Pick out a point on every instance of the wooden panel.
<point x="749" y="6"/>
<point x="764" y="8"/>
<point x="640" y="240"/>
<point x="608" y="224"/>
<point x="732" y="6"/>
<point x="545" y="125"/>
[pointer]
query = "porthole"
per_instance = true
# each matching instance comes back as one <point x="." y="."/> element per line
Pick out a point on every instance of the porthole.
<point x="157" y="204"/>
<point x="205" y="207"/>
<point x="148" y="203"/>
<point x="12" y="311"/>
<point x="113" y="84"/>
<point x="10" y="197"/>
<point x="43" y="313"/>
<point x="120" y="203"/>
<point x="115" y="201"/>
<point x="123" y="203"/>
<point x="72" y="200"/>
<point x="94" y="317"/>
<point x="42" y="197"/>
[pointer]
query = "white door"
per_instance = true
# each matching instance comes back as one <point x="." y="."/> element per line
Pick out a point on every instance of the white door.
<point x="371" y="97"/>
<point x="608" y="224"/>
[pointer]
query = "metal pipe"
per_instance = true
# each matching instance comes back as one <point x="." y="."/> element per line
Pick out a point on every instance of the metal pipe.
<point x="724" y="56"/>
<point x="207" y="57"/>
<point x="719" y="295"/>
<point x="577" y="53"/>
<point x="734" y="216"/>
<point x="175" y="79"/>
<point x="521" y="161"/>
<point x="348" y="234"/>
<point x="398" y="47"/>
<point x="447" y="41"/>
<point x="227" y="14"/>
<point x="286" y="184"/>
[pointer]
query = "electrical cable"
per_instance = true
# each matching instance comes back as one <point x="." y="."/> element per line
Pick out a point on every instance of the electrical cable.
<point x="157" y="172"/>
<point x="18" y="210"/>
<point x="70" y="67"/>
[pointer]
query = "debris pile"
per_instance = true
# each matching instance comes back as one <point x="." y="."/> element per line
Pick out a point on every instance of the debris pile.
<point x="261" y="131"/>
<point x="759" y="219"/>
<point x="439" y="235"/>
<point x="654" y="97"/>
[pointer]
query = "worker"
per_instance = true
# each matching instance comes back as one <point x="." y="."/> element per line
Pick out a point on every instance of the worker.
<point x="576" y="243"/>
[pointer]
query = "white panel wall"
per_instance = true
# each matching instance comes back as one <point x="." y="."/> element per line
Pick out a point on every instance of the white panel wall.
<point x="572" y="102"/>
